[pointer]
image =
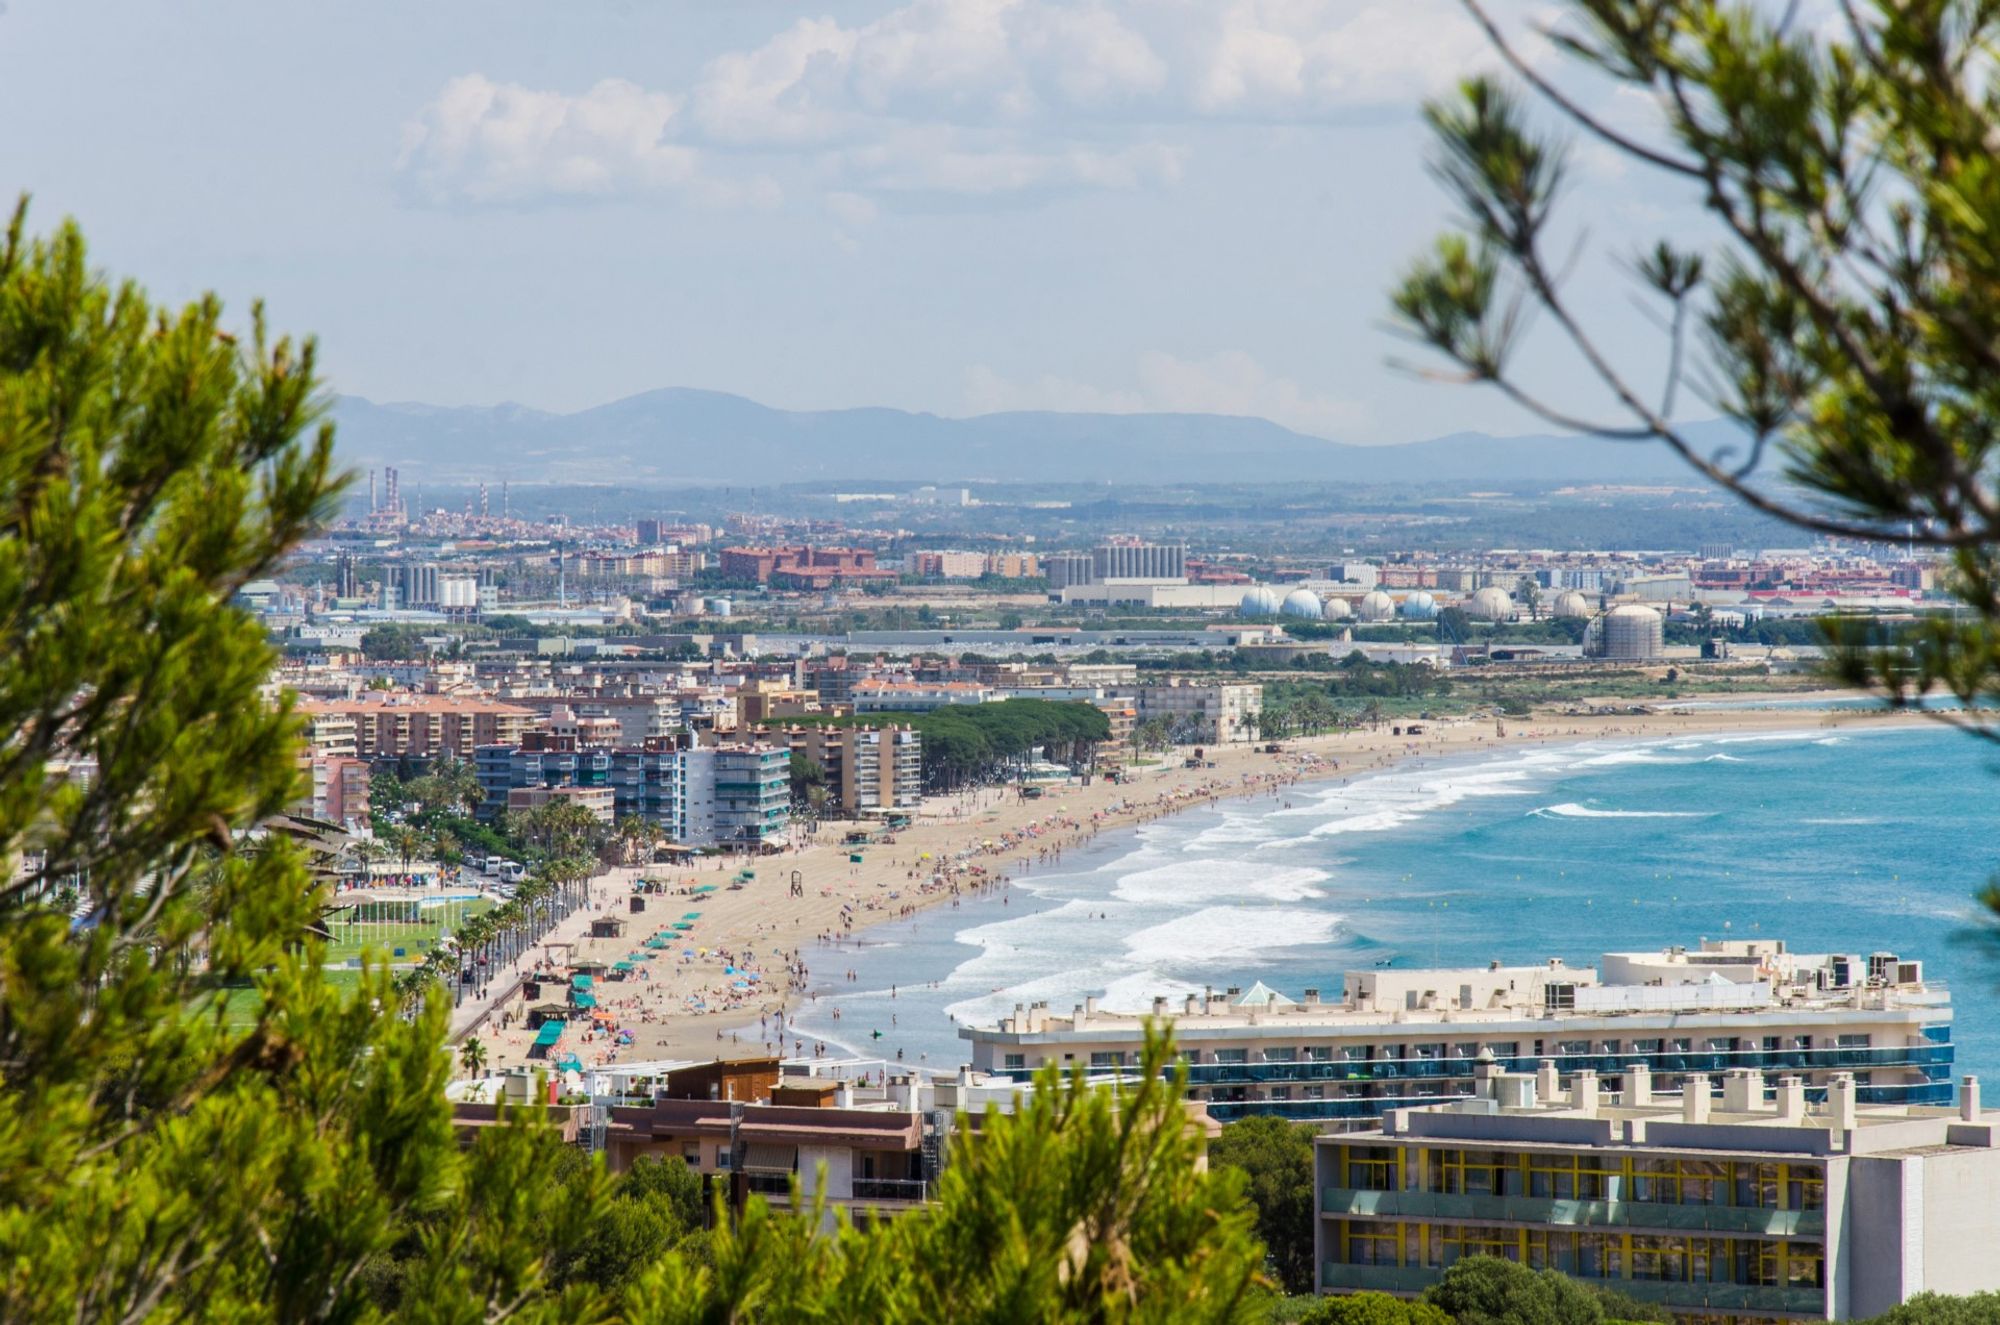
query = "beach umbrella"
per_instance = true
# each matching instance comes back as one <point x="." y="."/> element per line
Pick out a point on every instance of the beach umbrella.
<point x="691" y="915"/>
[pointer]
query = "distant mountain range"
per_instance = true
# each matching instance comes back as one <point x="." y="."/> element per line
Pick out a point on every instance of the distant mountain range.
<point x="678" y="436"/>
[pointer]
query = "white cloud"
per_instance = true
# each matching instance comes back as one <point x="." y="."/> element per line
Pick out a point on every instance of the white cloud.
<point x="486" y="142"/>
<point x="1228" y="382"/>
<point x="985" y="98"/>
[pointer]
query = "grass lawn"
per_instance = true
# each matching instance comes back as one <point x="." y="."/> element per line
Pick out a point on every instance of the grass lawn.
<point x="351" y="940"/>
<point x="241" y="1004"/>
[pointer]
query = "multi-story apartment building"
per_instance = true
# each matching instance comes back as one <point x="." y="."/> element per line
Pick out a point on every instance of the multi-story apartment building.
<point x="948" y="565"/>
<point x="1752" y="1207"/>
<point x="1403" y="1038"/>
<point x="866" y="768"/>
<point x="881" y="695"/>
<point x="1230" y="711"/>
<point x="849" y="1137"/>
<point x="390" y="724"/>
<point x="735" y="796"/>
<point x="1013" y="565"/>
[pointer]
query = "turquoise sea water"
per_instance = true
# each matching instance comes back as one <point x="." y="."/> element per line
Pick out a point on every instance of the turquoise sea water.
<point x="1858" y="840"/>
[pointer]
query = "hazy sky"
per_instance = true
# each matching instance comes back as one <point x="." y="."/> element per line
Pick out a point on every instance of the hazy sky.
<point x="949" y="205"/>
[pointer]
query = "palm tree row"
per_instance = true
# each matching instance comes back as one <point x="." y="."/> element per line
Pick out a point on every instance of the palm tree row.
<point x="492" y="939"/>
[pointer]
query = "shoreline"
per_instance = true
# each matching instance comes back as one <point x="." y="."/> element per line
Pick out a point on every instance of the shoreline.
<point x="742" y="965"/>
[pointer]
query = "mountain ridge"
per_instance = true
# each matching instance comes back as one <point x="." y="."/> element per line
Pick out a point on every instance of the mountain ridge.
<point x="690" y="436"/>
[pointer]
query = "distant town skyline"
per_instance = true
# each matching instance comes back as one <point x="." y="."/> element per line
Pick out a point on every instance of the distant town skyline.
<point x="956" y="206"/>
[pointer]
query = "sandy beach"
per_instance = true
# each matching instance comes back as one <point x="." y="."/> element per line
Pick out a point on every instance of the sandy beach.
<point x="720" y="985"/>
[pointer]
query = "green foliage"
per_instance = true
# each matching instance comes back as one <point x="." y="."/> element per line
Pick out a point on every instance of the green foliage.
<point x="393" y="644"/>
<point x="1085" y="1205"/>
<point x="1276" y="1160"/>
<point x="971" y="742"/>
<point x="1939" y="1309"/>
<point x="806" y="774"/>
<point x="1485" y="1290"/>
<point x="1844" y="315"/>
<point x="164" y="1157"/>
<point x="1372" y="1309"/>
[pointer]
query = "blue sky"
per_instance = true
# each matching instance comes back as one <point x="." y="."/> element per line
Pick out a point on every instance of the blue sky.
<point x="948" y="205"/>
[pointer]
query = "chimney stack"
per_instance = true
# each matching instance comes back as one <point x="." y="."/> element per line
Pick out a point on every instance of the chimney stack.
<point x="1694" y="1098"/>
<point x="1547" y="1083"/>
<point x="1583" y="1093"/>
<point x="1639" y="1086"/>
<point x="1968" y="1098"/>
<point x="1840" y="1098"/>
<point x="1189" y="1007"/>
<point x="1743" y="1090"/>
<point x="1160" y="1006"/>
<point x="1791" y="1100"/>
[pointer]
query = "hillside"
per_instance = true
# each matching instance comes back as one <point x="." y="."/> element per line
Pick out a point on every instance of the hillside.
<point x="680" y="436"/>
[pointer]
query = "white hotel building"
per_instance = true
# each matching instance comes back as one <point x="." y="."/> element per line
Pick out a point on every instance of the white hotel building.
<point x="1398" y="1039"/>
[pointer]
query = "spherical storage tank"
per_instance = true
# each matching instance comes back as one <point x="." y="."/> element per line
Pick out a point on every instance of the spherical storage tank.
<point x="1491" y="605"/>
<point x="1336" y="609"/>
<point x="1260" y="601"/>
<point x="1375" y="606"/>
<point x="1633" y="632"/>
<point x="1301" y="603"/>
<point x="1571" y="605"/>
<point x="1420" y="607"/>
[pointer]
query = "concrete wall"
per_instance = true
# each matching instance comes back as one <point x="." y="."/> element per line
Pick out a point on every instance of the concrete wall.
<point x="1881" y="1269"/>
<point x="1961" y="1215"/>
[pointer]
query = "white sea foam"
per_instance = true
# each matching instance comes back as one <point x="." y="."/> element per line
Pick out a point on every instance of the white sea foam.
<point x="1571" y="810"/>
<point x="1228" y="936"/>
<point x="1188" y="882"/>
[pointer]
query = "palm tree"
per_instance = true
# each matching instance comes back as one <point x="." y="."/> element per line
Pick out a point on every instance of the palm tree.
<point x="472" y="1056"/>
<point x="635" y="835"/>
<point x="406" y="842"/>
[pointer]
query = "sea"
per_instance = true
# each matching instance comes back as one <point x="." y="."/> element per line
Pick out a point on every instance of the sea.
<point x="1860" y="839"/>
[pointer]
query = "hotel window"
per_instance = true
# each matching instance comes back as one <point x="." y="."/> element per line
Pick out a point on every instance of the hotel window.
<point x="1281" y="1055"/>
<point x="1647" y="1046"/>
<point x="1704" y="1182"/>
<point x="1805" y="1189"/>
<point x="1371" y="1244"/>
<point x="1232" y="1055"/>
<point x="1805" y="1265"/>
<point x="1450" y="1245"/>
<point x="1465" y="1049"/>
<point x="1015" y="1062"/>
<point x="1552" y="1176"/>
<point x="1505" y="1048"/>
<point x="1599" y="1179"/>
<point x="1802" y="1042"/>
<point x="1722" y="1045"/>
<point x="1681" y="1045"/>
<point x="1607" y="1047"/>
<point x="1108" y="1058"/>
<point x="1430" y="1051"/>
<point x="1280" y="1093"/>
<point x="1572" y="1046"/>
<point x="1852" y="1041"/>
<point x="1371" y="1170"/>
<point x="1474" y="1173"/>
<point x="1189" y="1056"/>
<point x="1314" y="1092"/>
<point x="1662" y="1259"/>
<point x="1551" y="1251"/>
<point x="1757" y="1185"/>
<point x="1317" y="1053"/>
<point x="722" y="1159"/>
<point x="1771" y="1043"/>
<point x="1353" y="1053"/>
<point x="1600" y="1255"/>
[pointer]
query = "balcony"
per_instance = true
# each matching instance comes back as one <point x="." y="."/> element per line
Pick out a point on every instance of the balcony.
<point x="1549" y="1212"/>
<point x="1419" y="1069"/>
<point x="1760" y="1298"/>
<point x="890" y="1189"/>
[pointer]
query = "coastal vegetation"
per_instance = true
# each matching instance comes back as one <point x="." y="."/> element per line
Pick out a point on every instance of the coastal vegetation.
<point x="1844" y="316"/>
<point x="970" y="743"/>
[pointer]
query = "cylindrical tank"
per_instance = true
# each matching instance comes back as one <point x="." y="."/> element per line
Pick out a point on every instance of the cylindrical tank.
<point x="1633" y="633"/>
<point x="1420" y="606"/>
<point x="1303" y="603"/>
<point x="1375" y="606"/>
<point x="1260" y="601"/>
<point x="1491" y="604"/>
<point x="1571" y="605"/>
